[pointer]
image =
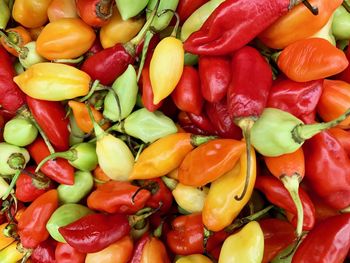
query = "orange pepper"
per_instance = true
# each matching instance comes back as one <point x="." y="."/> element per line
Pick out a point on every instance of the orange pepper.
<point x="82" y="117"/>
<point x="19" y="36"/>
<point x="119" y="31"/>
<point x="334" y="101"/>
<point x="62" y="9"/>
<point x="154" y="251"/>
<point x="66" y="38"/>
<point x="209" y="161"/>
<point x="100" y="175"/>
<point x="298" y="24"/>
<point x="30" y="13"/>
<point x="311" y="59"/>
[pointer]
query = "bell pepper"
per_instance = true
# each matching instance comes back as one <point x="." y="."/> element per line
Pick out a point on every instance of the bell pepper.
<point x="53" y="82"/>
<point x="129" y="9"/>
<point x="31" y="13"/>
<point x="61" y="9"/>
<point x="95" y="13"/>
<point x="44" y="252"/>
<point x="64" y="253"/>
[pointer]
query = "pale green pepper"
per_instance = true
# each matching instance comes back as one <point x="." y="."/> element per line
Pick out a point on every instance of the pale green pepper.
<point x="76" y="135"/>
<point x="165" y="13"/>
<point x="341" y="24"/>
<point x="20" y="132"/>
<point x="12" y="158"/>
<point x="5" y="14"/>
<point x="130" y="8"/>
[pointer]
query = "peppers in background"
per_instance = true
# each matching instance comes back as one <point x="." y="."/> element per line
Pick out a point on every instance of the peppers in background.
<point x="44" y="252"/>
<point x="64" y="253"/>
<point x="95" y="13"/>
<point x="61" y="9"/>
<point x="31" y="13"/>
<point x="129" y="9"/>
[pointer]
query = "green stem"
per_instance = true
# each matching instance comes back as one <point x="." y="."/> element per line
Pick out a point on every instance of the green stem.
<point x="12" y="184"/>
<point x="99" y="132"/>
<point x="70" y="155"/>
<point x="169" y="182"/>
<point x="146" y="43"/>
<point x="197" y="140"/>
<point x="10" y="43"/>
<point x="96" y="86"/>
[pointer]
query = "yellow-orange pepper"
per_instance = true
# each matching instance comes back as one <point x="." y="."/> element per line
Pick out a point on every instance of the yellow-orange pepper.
<point x="118" y="30"/>
<point x="62" y="9"/>
<point x="66" y="38"/>
<point x="4" y="240"/>
<point x="53" y="82"/>
<point x="30" y="13"/>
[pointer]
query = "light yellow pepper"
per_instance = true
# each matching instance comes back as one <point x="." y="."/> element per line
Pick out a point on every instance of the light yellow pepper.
<point x="190" y="198"/>
<point x="195" y="258"/>
<point x="10" y="254"/>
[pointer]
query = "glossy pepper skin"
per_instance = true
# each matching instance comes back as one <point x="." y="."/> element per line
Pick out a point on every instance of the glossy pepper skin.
<point x="95" y="13"/>
<point x="327" y="242"/>
<point x="11" y="97"/>
<point x="187" y="7"/>
<point x="202" y="121"/>
<point x="343" y="138"/>
<point x="297" y="98"/>
<point x="44" y="252"/>
<point x="32" y="13"/>
<point x="147" y="92"/>
<point x="233" y="24"/>
<point x="328" y="170"/>
<point x="64" y="253"/>
<point x="95" y="232"/>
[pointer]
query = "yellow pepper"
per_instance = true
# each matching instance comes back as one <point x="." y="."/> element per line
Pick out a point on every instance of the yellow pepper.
<point x="11" y="254"/>
<point x="31" y="13"/>
<point x="195" y="258"/>
<point x="190" y="198"/>
<point x="246" y="246"/>
<point x="221" y="207"/>
<point x="118" y="30"/>
<point x="53" y="82"/>
<point x="166" y="67"/>
<point x="4" y="240"/>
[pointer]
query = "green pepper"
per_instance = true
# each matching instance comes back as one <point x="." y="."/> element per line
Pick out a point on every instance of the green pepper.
<point x="277" y="132"/>
<point x="119" y="103"/>
<point x="76" y="135"/>
<point x="12" y="158"/>
<point x="63" y="216"/>
<point x="29" y="56"/>
<point x="191" y="59"/>
<point x="130" y="8"/>
<point x="20" y="132"/>
<point x="341" y="24"/>
<point x="5" y="14"/>
<point x="165" y="13"/>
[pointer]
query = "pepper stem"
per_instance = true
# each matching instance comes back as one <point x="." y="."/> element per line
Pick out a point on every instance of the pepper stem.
<point x="142" y="215"/>
<point x="16" y="161"/>
<point x="96" y="86"/>
<point x="291" y="183"/>
<point x="303" y="132"/>
<point x="10" y="43"/>
<point x="99" y="132"/>
<point x="12" y="184"/>
<point x="170" y="183"/>
<point x="197" y="140"/>
<point x="70" y="155"/>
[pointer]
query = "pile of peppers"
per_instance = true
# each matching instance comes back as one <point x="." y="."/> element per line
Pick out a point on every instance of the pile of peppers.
<point x="186" y="131"/>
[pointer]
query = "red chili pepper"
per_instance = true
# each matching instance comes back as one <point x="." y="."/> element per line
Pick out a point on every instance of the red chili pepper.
<point x="187" y="95"/>
<point x="32" y="223"/>
<point x="58" y="170"/>
<point x="64" y="253"/>
<point x="95" y="232"/>
<point x="297" y="98"/>
<point x="343" y="138"/>
<point x="95" y="48"/>
<point x="215" y="75"/>
<point x="278" y="195"/>
<point x="95" y="13"/>
<point x="278" y="234"/>
<point x="11" y="97"/>
<point x="188" y="126"/>
<point x="51" y="117"/>
<point x="30" y="187"/>
<point x="147" y="92"/>
<point x="118" y="197"/>
<point x="45" y="252"/>
<point x="328" y="242"/>
<point x="328" y="170"/>
<point x="202" y="122"/>
<point x="187" y="7"/>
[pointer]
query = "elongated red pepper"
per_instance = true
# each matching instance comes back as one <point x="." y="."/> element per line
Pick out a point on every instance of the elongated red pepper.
<point x="147" y="92"/>
<point x="278" y="195"/>
<point x="95" y="232"/>
<point x="328" y="242"/>
<point x="51" y="117"/>
<point x="58" y="170"/>
<point x="328" y="170"/>
<point x="11" y="97"/>
<point x="188" y="126"/>
<point x="187" y="7"/>
<point x="45" y="252"/>
<point x="297" y="98"/>
<point x="202" y="122"/>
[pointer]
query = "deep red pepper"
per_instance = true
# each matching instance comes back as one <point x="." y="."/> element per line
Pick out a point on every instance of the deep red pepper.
<point x="45" y="252"/>
<point x="327" y="169"/>
<point x="328" y="242"/>
<point x="215" y="76"/>
<point x="187" y="94"/>
<point x="278" y="195"/>
<point x="188" y="126"/>
<point x="58" y="170"/>
<point x="95" y="13"/>
<point x="297" y="98"/>
<point x="95" y="232"/>
<point x="147" y="92"/>
<point x="51" y="117"/>
<point x="187" y="7"/>
<point x="202" y="122"/>
<point x="138" y="249"/>
<point x="11" y="97"/>
<point x="345" y="75"/>
<point x="278" y="234"/>
<point x="95" y="48"/>
<point x="64" y="253"/>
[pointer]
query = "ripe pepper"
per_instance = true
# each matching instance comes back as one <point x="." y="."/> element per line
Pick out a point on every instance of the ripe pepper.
<point x="277" y="194"/>
<point x="221" y="34"/>
<point x="297" y="98"/>
<point x="95" y="13"/>
<point x="343" y="138"/>
<point x="327" y="242"/>
<point x="118" y="197"/>
<point x="15" y="39"/>
<point x="335" y="100"/>
<point x="44" y="252"/>
<point x="202" y="122"/>
<point x="217" y="157"/>
<point x="187" y="7"/>
<point x="215" y="75"/>
<point x="59" y="170"/>
<point x="61" y="9"/>
<point x="11" y="97"/>
<point x="188" y="126"/>
<point x="311" y="59"/>
<point x="95" y="232"/>
<point x="31" y="13"/>
<point x="64" y="253"/>
<point x="32" y="223"/>
<point x="11" y="254"/>
<point x="325" y="158"/>
<point x="147" y="92"/>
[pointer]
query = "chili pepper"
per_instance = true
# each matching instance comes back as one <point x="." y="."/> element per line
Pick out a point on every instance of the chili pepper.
<point x="95" y="13"/>
<point x="63" y="216"/>
<point x="165" y="12"/>
<point x="11" y="254"/>
<point x="195" y="258"/>
<point x="173" y="147"/>
<point x="297" y="98"/>
<point x="44" y="252"/>
<point x="340" y="23"/>
<point x="64" y="253"/>
<point x="59" y="170"/>
<point x="95" y="232"/>
<point x="277" y="194"/>
<point x="343" y="138"/>
<point x="327" y="242"/>
<point x="118" y="197"/>
<point x="20" y="132"/>
<point x="30" y="13"/>
<point x="187" y="125"/>
<point x="218" y="157"/>
<point x="334" y="101"/>
<point x="15" y="39"/>
<point x="325" y="157"/>
<point x="6" y="14"/>
<point x="32" y="223"/>
<point x="11" y="97"/>
<point x="147" y="92"/>
<point x="61" y="9"/>
<point x="51" y="117"/>
<point x="129" y="9"/>
<point x="53" y="81"/>
<point x="278" y="234"/>
<point x="277" y="132"/>
<point x="203" y="122"/>
<point x="30" y="186"/>
<point x="186" y="8"/>
<point x="187" y="95"/>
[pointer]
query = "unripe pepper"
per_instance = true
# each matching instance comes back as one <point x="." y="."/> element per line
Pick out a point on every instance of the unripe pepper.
<point x="341" y="23"/>
<point x="165" y="9"/>
<point x="130" y="8"/>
